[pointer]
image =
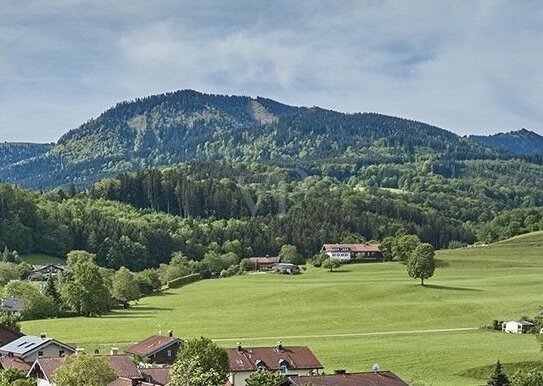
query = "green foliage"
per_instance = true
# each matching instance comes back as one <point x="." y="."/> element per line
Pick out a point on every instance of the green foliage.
<point x="184" y="280"/>
<point x="125" y="287"/>
<point x="208" y="364"/>
<point x="83" y="288"/>
<point x="498" y="378"/>
<point x="148" y="281"/>
<point x="84" y="370"/>
<point x="8" y="271"/>
<point x="264" y="378"/>
<point x="527" y="378"/>
<point x="36" y="305"/>
<point x="10" y="319"/>
<point x="24" y="270"/>
<point x="290" y="254"/>
<point x="9" y="377"/>
<point x="403" y="246"/>
<point x="331" y="264"/>
<point x="421" y="263"/>
<point x="51" y="290"/>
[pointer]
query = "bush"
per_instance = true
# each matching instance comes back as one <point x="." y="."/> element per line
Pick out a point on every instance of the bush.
<point x="184" y="280"/>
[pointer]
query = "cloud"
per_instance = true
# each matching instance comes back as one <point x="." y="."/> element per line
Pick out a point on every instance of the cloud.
<point x="468" y="67"/>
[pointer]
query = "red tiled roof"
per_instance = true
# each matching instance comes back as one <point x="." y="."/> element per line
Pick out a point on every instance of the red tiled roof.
<point x="14" y="363"/>
<point x="354" y="248"/>
<point x="264" y="260"/>
<point x="152" y="345"/>
<point x="48" y="366"/>
<point x="381" y="378"/>
<point x="298" y="357"/>
<point x="159" y="376"/>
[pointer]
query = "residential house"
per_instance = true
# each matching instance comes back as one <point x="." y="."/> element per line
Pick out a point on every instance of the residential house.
<point x="127" y="372"/>
<point x="264" y="263"/>
<point x="341" y="378"/>
<point x="8" y="335"/>
<point x="29" y="348"/>
<point x="514" y="327"/>
<point x="156" y="349"/>
<point x="11" y="304"/>
<point x="292" y="360"/>
<point x="42" y="272"/>
<point x="346" y="252"/>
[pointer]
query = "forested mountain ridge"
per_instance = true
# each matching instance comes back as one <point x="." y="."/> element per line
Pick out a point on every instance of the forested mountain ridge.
<point x="187" y="125"/>
<point x="12" y="152"/>
<point x="523" y="142"/>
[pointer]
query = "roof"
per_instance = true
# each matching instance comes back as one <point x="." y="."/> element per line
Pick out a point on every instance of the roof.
<point x="14" y="363"/>
<point x="28" y="343"/>
<point x="379" y="378"/>
<point x="37" y="267"/>
<point x="11" y="303"/>
<point x="8" y="335"/>
<point x="297" y="357"/>
<point x="265" y="260"/>
<point x="152" y="345"/>
<point x="121" y="364"/>
<point x="160" y="376"/>
<point x="129" y="382"/>
<point x="354" y="248"/>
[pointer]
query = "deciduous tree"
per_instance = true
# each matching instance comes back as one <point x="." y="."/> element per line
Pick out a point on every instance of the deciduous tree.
<point x="83" y="369"/>
<point x="421" y="263"/>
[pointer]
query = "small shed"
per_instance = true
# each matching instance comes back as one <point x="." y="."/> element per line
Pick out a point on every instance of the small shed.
<point x="517" y="327"/>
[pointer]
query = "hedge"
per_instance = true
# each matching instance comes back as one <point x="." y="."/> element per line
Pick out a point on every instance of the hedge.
<point x="184" y="280"/>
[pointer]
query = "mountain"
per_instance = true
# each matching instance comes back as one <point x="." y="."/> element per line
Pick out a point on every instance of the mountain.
<point x="187" y="125"/>
<point x="522" y="142"/>
<point x="12" y="152"/>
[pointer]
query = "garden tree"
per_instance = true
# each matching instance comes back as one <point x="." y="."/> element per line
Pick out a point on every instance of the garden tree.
<point x="51" y="290"/>
<point x="208" y="362"/>
<point x="83" y="369"/>
<point x="498" y="378"/>
<point x="36" y="305"/>
<point x="289" y="253"/>
<point x="331" y="264"/>
<point x="402" y="246"/>
<point x="8" y="272"/>
<point x="421" y="263"/>
<point x="177" y="267"/>
<point x="9" y="376"/>
<point x="11" y="320"/>
<point x="83" y="287"/>
<point x="24" y="270"/>
<point x="532" y="377"/>
<point x="148" y="281"/>
<point x="264" y="378"/>
<point x="24" y="382"/>
<point x="10" y="256"/>
<point x="125" y="287"/>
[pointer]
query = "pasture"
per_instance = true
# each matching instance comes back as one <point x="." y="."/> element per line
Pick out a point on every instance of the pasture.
<point x="361" y="315"/>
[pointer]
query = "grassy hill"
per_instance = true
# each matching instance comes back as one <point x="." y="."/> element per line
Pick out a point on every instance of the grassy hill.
<point x="363" y="314"/>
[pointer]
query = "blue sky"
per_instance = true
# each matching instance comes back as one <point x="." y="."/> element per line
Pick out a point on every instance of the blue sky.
<point x="467" y="66"/>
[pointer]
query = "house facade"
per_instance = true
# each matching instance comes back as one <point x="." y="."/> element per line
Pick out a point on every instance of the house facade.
<point x="264" y="263"/>
<point x="292" y="360"/>
<point x="517" y="327"/>
<point x="157" y="349"/>
<point x="29" y="348"/>
<point x="346" y="252"/>
<point x="43" y="272"/>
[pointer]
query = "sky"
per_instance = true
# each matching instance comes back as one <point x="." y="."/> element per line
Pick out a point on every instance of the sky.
<point x="471" y="67"/>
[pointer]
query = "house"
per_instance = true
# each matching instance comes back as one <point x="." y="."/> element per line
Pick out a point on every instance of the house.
<point x="264" y="263"/>
<point x="128" y="374"/>
<point x="29" y="348"/>
<point x="42" y="272"/>
<point x="8" y="335"/>
<point x="295" y="360"/>
<point x="514" y="327"/>
<point x="342" y="378"/>
<point x="156" y="349"/>
<point x="11" y="304"/>
<point x="346" y="252"/>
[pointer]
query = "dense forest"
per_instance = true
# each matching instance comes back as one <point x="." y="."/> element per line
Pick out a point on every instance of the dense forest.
<point x="523" y="142"/>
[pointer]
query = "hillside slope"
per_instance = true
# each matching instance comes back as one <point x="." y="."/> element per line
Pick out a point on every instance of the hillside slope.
<point x="185" y="125"/>
<point x="522" y="142"/>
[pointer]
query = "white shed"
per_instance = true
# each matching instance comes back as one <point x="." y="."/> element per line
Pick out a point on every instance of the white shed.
<point x="517" y="327"/>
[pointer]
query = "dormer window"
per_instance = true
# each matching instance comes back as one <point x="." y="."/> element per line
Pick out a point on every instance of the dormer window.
<point x="283" y="366"/>
<point x="260" y="365"/>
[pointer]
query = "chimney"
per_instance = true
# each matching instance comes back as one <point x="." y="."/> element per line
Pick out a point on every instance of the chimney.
<point x="43" y="335"/>
<point x="170" y="333"/>
<point x="279" y="346"/>
<point x="239" y="346"/>
<point x="114" y="351"/>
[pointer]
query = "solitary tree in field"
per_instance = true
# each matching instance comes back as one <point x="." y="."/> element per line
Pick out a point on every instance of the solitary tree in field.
<point x="421" y="263"/>
<point x="331" y="264"/>
<point x="498" y="378"/>
<point x="125" y="287"/>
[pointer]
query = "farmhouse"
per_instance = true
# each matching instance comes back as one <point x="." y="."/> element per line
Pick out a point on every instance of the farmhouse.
<point x="264" y="263"/>
<point x="514" y="327"/>
<point x="156" y="349"/>
<point x="23" y="351"/>
<point x="346" y="252"/>
<point x="295" y="360"/>
<point x="341" y="378"/>
<point x="42" y="272"/>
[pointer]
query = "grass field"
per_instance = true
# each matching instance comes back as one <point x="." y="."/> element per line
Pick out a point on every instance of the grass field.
<point x="40" y="259"/>
<point x="471" y="287"/>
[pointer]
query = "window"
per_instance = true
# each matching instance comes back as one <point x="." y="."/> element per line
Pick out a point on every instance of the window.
<point x="169" y="353"/>
<point x="60" y="353"/>
<point x="40" y="353"/>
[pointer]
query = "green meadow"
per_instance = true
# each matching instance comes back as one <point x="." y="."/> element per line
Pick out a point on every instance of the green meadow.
<point x="361" y="315"/>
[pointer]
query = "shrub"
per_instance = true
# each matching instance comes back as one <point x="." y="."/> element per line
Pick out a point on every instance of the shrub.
<point x="184" y="280"/>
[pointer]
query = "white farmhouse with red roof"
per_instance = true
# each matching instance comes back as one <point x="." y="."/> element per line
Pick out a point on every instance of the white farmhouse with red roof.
<point x="346" y="252"/>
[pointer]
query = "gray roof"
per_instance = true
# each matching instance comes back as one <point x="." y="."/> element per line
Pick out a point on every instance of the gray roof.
<point x="24" y="344"/>
<point x="11" y="303"/>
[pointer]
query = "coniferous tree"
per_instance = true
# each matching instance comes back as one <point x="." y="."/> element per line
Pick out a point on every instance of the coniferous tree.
<point x="498" y="378"/>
